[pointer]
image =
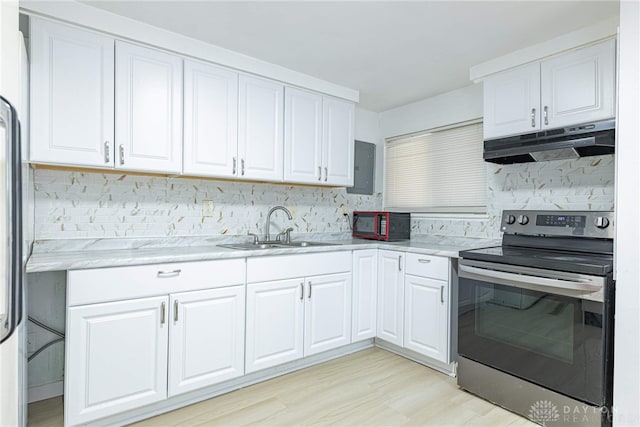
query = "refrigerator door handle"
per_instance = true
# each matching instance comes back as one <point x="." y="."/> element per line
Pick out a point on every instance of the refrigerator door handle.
<point x="13" y="225"/>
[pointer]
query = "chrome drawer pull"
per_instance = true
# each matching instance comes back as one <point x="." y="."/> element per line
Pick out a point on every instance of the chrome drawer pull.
<point x="175" y="311"/>
<point x="169" y="273"/>
<point x="121" y="154"/>
<point x="533" y="117"/>
<point x="424" y="261"/>
<point x="163" y="312"/>
<point x="107" y="148"/>
<point x="442" y="294"/>
<point x="301" y="291"/>
<point x="309" y="290"/>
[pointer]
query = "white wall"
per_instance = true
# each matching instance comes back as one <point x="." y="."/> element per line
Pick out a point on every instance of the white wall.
<point x="626" y="393"/>
<point x="442" y="110"/>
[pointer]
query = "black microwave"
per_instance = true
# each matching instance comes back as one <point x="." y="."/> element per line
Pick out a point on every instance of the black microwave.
<point x="388" y="226"/>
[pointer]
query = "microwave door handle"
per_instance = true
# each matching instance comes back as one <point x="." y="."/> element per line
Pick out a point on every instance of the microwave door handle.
<point x="527" y="281"/>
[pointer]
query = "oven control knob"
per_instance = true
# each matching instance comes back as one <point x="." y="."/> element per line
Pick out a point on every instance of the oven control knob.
<point x="523" y="219"/>
<point x="510" y="219"/>
<point x="601" y="222"/>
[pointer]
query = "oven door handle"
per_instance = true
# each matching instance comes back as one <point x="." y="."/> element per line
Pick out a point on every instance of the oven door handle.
<point x="528" y="281"/>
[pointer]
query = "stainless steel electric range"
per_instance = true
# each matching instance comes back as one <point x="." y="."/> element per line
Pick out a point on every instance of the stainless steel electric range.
<point x="535" y="317"/>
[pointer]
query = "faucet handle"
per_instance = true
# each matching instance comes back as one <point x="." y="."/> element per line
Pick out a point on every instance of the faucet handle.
<point x="256" y="239"/>
<point x="287" y="235"/>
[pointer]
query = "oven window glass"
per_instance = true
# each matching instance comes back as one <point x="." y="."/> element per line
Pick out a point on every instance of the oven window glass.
<point x="531" y="321"/>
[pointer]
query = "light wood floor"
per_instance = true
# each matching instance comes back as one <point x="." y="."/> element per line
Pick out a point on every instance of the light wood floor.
<point x="369" y="388"/>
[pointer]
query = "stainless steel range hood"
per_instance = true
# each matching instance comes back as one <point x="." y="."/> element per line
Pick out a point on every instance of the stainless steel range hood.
<point x="589" y="139"/>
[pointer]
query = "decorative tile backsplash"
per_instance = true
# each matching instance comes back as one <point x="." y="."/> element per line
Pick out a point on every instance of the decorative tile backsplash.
<point x="98" y="205"/>
<point x="105" y="205"/>
<point x="579" y="184"/>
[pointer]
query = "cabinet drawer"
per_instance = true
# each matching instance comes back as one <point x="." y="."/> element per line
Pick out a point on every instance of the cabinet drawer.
<point x="112" y="284"/>
<point x="280" y="267"/>
<point x="436" y="267"/>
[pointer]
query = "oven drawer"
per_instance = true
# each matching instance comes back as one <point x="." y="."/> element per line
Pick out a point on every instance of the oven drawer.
<point x="435" y="267"/>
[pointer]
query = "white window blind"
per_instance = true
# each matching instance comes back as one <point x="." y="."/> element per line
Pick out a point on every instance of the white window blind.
<point x="441" y="171"/>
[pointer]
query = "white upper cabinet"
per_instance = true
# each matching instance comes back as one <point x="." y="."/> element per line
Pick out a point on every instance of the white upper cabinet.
<point x="71" y="96"/>
<point x="148" y="120"/>
<point x="302" y="136"/>
<point x="260" y="129"/>
<point x="210" y="120"/>
<point x="572" y="88"/>
<point x="579" y="86"/>
<point x="338" y="142"/>
<point x="318" y="141"/>
<point x="512" y="102"/>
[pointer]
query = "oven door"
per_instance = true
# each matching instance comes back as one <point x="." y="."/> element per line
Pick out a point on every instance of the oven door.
<point x="547" y="327"/>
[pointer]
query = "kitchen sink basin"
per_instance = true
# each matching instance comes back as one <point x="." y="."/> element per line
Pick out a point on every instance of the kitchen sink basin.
<point x="258" y="246"/>
<point x="253" y="246"/>
<point x="305" y="244"/>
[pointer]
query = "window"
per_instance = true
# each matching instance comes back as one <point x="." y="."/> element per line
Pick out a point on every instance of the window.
<point x="436" y="171"/>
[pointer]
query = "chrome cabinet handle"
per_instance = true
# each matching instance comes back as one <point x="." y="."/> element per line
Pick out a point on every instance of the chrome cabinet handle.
<point x="121" y="154"/>
<point x="309" y="290"/>
<point x="424" y="261"/>
<point x="107" y="157"/>
<point x="545" y="113"/>
<point x="234" y="166"/>
<point x="175" y="311"/>
<point x="173" y="273"/>
<point x="326" y="173"/>
<point x="400" y="263"/>
<point x="533" y="117"/>
<point x="301" y="291"/>
<point x="319" y="173"/>
<point x="442" y="294"/>
<point x="163" y="313"/>
<point x="242" y="167"/>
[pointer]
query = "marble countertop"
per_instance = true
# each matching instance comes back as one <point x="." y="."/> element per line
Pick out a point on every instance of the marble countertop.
<point x="76" y="255"/>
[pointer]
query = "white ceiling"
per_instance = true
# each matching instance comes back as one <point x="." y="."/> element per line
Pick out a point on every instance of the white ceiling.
<point x="393" y="52"/>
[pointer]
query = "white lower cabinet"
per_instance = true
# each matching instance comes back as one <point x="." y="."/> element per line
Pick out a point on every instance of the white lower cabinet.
<point x="426" y="327"/>
<point x="206" y="342"/>
<point x="297" y="305"/>
<point x="413" y="302"/>
<point x="139" y="349"/>
<point x="365" y="294"/>
<point x="327" y="322"/>
<point x="390" y="321"/>
<point x="275" y="319"/>
<point x="116" y="357"/>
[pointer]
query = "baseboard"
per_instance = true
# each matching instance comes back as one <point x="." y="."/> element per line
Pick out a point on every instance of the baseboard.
<point x="47" y="391"/>
<point x="445" y="368"/>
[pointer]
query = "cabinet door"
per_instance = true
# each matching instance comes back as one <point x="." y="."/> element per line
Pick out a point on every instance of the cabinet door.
<point x="338" y="142"/>
<point x="274" y="323"/>
<point x="207" y="338"/>
<point x="579" y="86"/>
<point x="390" y="319"/>
<point x="512" y="102"/>
<point x="302" y="136"/>
<point x="148" y="109"/>
<point x="210" y="120"/>
<point x="426" y="328"/>
<point x="365" y="288"/>
<point x="327" y="316"/>
<point x="260" y="128"/>
<point x="71" y="96"/>
<point x="116" y="357"/>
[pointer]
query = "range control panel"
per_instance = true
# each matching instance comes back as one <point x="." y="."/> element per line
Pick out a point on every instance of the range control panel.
<point x="594" y="224"/>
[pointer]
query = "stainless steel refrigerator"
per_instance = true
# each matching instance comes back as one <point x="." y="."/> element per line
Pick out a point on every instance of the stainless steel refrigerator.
<point x="12" y="303"/>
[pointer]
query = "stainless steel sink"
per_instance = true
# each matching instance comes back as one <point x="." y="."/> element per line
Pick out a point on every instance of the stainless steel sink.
<point x="305" y="244"/>
<point x="282" y="245"/>
<point x="252" y="246"/>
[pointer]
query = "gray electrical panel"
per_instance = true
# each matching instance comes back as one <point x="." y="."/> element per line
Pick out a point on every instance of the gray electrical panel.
<point x="363" y="168"/>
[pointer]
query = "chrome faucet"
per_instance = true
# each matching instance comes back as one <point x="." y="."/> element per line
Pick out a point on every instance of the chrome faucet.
<point x="267" y="234"/>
